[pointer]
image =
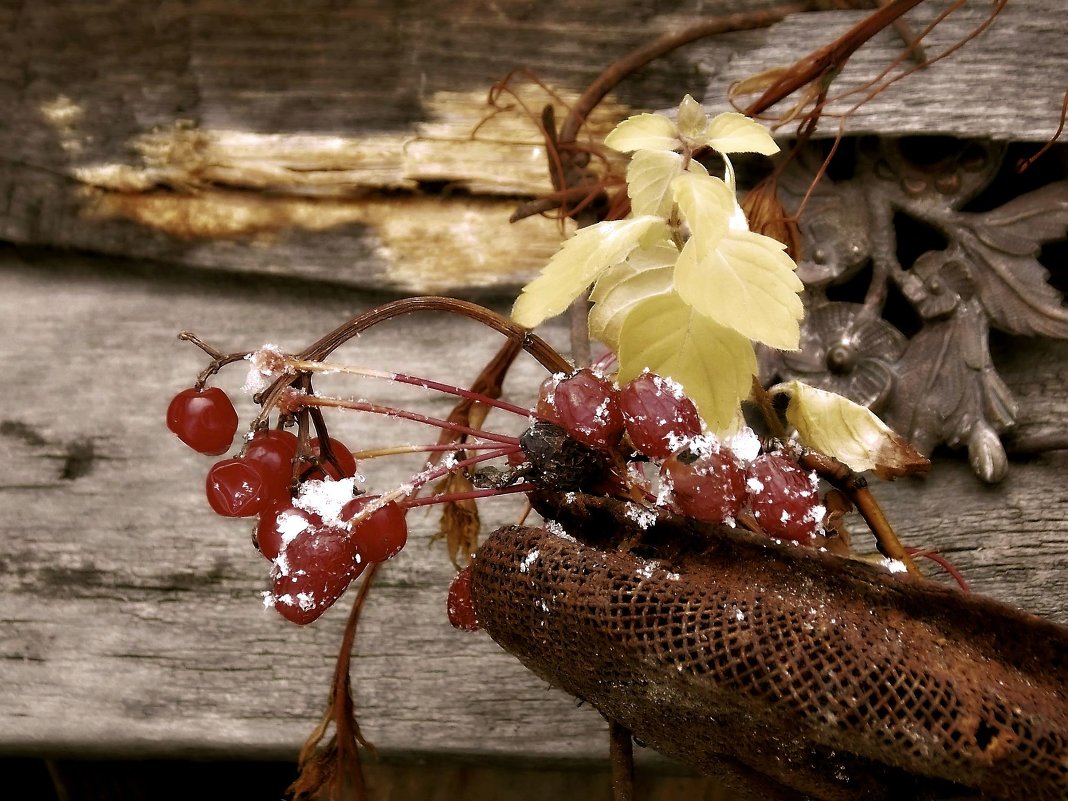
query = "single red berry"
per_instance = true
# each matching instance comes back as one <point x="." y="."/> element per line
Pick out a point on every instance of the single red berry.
<point x="205" y="420"/>
<point x="271" y="452"/>
<point x="705" y="482"/>
<point x="342" y="466"/>
<point x="280" y="524"/>
<point x="460" y="605"/>
<point x="313" y="570"/>
<point x="585" y="405"/>
<point x="784" y="498"/>
<point x="383" y="534"/>
<point x="235" y="488"/>
<point x="659" y="418"/>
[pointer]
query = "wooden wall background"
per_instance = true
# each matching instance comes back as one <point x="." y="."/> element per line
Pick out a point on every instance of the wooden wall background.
<point x="258" y="172"/>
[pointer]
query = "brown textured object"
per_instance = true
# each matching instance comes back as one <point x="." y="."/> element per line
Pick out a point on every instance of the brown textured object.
<point x="788" y="672"/>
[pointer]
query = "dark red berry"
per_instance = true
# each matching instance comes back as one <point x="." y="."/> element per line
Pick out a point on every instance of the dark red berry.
<point x="280" y="524"/>
<point x="313" y="570"/>
<point x="705" y="483"/>
<point x="460" y="605"/>
<point x="235" y="488"/>
<point x="659" y="418"/>
<point x="343" y="464"/>
<point x="272" y="452"/>
<point x="585" y="405"/>
<point x="784" y="498"/>
<point x="383" y="534"/>
<point x="205" y="420"/>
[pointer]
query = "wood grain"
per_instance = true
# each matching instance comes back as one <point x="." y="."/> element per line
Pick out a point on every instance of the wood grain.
<point x="130" y="616"/>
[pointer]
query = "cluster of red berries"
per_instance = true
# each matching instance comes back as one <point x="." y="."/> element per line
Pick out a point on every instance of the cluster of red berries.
<point x="320" y="533"/>
<point x="305" y="503"/>
<point x="699" y="476"/>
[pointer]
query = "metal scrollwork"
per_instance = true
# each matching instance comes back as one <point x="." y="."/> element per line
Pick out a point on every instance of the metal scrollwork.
<point x="939" y="385"/>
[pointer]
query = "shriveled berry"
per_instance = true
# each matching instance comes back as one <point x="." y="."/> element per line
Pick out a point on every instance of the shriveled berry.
<point x="204" y="419"/>
<point x="235" y="488"/>
<point x="313" y="570"/>
<point x="585" y="405"/>
<point x="784" y="498"/>
<point x="705" y="482"/>
<point x="659" y="418"/>
<point x="383" y="534"/>
<point x="342" y="466"/>
<point x="460" y="605"/>
<point x="272" y="452"/>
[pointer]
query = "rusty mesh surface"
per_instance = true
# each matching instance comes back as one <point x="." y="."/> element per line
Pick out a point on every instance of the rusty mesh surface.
<point x="787" y="672"/>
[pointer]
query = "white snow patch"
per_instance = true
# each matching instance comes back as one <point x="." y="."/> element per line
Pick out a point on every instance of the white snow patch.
<point x="745" y="445"/>
<point x="528" y="560"/>
<point x="894" y="565"/>
<point x="265" y="365"/>
<point x="325" y="498"/>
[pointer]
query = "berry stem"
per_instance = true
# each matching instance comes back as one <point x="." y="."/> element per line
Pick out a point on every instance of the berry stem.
<point x="297" y="399"/>
<point x="465" y="496"/>
<point x="420" y="479"/>
<point x="856" y="489"/>
<point x="402" y="378"/>
<point x="537" y="347"/>
<point x="396" y="450"/>
<point x="218" y="358"/>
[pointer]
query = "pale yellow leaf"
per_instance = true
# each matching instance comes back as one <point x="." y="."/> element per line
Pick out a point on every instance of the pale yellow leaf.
<point x="691" y="119"/>
<point x="746" y="283"/>
<point x="731" y="132"/>
<point x="578" y="263"/>
<point x="646" y="272"/>
<point x="649" y="177"/>
<point x="644" y="132"/>
<point x="706" y="205"/>
<point x="849" y="432"/>
<point x="714" y="364"/>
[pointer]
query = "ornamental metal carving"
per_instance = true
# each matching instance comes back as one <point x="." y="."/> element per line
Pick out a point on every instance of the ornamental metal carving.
<point x="938" y="385"/>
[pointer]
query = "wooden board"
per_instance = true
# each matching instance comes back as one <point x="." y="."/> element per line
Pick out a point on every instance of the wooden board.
<point x="130" y="615"/>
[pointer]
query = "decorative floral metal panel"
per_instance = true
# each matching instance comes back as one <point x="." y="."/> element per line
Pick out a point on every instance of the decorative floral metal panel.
<point x="911" y="340"/>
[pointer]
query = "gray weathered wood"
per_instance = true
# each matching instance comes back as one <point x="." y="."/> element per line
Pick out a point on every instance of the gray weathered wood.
<point x="1008" y="83"/>
<point x="130" y="617"/>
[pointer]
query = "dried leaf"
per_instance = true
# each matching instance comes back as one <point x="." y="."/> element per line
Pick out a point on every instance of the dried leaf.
<point x="459" y="523"/>
<point x="580" y="261"/>
<point x="766" y="216"/>
<point x="851" y="433"/>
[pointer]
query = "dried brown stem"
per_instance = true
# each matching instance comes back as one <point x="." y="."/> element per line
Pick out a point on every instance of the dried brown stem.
<point x="856" y="489"/>
<point x="621" y="753"/>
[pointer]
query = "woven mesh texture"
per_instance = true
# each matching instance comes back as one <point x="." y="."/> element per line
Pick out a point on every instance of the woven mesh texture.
<point x="788" y="672"/>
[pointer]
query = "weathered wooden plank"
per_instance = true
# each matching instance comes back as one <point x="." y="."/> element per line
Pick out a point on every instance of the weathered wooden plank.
<point x="278" y="140"/>
<point x="1008" y="83"/>
<point x="129" y="614"/>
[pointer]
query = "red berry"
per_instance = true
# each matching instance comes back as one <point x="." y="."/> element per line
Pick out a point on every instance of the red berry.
<point x="460" y="605"/>
<point x="585" y="405"/>
<point x="783" y="498"/>
<point x="280" y="524"/>
<point x="272" y="452"/>
<point x="235" y="488"/>
<point x="205" y="420"/>
<point x="343" y="466"/>
<point x="706" y="483"/>
<point x="383" y="534"/>
<point x="313" y="570"/>
<point x="659" y="417"/>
